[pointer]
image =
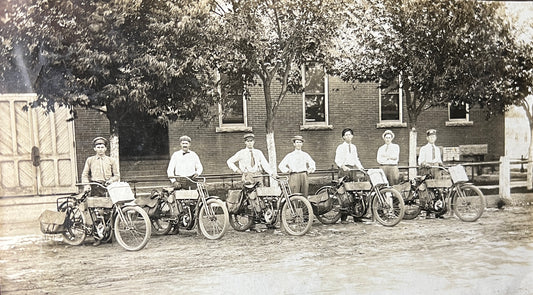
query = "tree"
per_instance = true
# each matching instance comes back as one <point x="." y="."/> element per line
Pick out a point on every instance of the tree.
<point x="116" y="57"/>
<point x="444" y="51"/>
<point x="268" y="41"/>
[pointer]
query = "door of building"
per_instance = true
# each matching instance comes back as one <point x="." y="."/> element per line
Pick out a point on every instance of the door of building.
<point x="37" y="152"/>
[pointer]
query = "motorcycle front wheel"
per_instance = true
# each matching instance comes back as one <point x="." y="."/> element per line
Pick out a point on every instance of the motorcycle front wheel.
<point x="213" y="219"/>
<point x="133" y="228"/>
<point x="299" y="221"/>
<point x="332" y="216"/>
<point x="389" y="208"/>
<point x="74" y="224"/>
<point x="468" y="203"/>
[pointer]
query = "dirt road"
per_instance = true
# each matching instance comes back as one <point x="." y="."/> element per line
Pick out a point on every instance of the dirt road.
<point x="436" y="256"/>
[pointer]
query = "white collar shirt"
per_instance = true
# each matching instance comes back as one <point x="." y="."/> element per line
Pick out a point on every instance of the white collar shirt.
<point x="388" y="154"/>
<point x="243" y="157"/>
<point x="184" y="164"/>
<point x="426" y="155"/>
<point x="346" y="154"/>
<point x="297" y="161"/>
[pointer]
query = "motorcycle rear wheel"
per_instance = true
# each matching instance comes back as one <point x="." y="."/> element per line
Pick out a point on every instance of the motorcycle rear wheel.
<point x="133" y="232"/>
<point x="74" y="224"/>
<point x="300" y="222"/>
<point x="332" y="216"/>
<point x="241" y="221"/>
<point x="412" y="208"/>
<point x="390" y="212"/>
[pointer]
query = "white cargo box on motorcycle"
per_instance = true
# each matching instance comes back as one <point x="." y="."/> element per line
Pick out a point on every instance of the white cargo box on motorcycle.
<point x="120" y="192"/>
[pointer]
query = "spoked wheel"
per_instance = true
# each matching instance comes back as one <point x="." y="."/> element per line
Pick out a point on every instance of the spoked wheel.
<point x="74" y="224"/>
<point x="412" y="208"/>
<point x="161" y="226"/>
<point x="241" y="221"/>
<point x="334" y="214"/>
<point x="213" y="219"/>
<point x="389" y="209"/>
<point x="132" y="229"/>
<point x="468" y="203"/>
<point x="297" y="222"/>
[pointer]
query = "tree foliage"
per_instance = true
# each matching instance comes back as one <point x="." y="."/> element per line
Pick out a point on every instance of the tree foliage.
<point x="115" y="56"/>
<point x="445" y="51"/>
<point x="265" y="42"/>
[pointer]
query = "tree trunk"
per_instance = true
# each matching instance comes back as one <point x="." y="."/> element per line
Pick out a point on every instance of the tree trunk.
<point x="114" y="150"/>
<point x="269" y="125"/>
<point x="529" y="177"/>
<point x="412" y="152"/>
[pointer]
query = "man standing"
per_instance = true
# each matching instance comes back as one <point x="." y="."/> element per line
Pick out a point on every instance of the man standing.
<point x="387" y="157"/>
<point x="99" y="168"/>
<point x="184" y="163"/>
<point x="430" y="154"/>
<point x="347" y="160"/>
<point x="298" y="164"/>
<point x="250" y="161"/>
<point x="346" y="156"/>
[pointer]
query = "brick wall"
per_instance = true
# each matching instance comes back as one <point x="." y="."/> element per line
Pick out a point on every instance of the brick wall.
<point x="354" y="106"/>
<point x="87" y="126"/>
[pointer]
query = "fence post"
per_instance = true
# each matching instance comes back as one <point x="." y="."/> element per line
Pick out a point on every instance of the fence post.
<point x="505" y="179"/>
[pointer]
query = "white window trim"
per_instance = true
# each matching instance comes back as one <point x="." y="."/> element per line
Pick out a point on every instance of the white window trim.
<point x="316" y="125"/>
<point x="233" y="127"/>
<point x="461" y="121"/>
<point x="392" y="123"/>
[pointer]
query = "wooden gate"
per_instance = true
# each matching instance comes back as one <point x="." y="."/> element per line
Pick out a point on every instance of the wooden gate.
<point x="37" y="152"/>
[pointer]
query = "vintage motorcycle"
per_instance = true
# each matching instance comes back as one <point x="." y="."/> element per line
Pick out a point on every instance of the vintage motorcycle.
<point x="354" y="198"/>
<point x="172" y="208"/>
<point x="267" y="205"/>
<point x="440" y="194"/>
<point x="103" y="217"/>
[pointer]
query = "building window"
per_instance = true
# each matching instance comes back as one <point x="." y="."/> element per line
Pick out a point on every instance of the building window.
<point x="390" y="104"/>
<point x="458" y="115"/>
<point x="232" y="110"/>
<point x="315" y="96"/>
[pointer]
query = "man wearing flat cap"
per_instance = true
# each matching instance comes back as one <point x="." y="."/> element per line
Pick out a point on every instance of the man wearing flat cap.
<point x="387" y="158"/>
<point x="99" y="168"/>
<point x="250" y="161"/>
<point x="184" y="163"/>
<point x="298" y="164"/>
<point x="430" y="154"/>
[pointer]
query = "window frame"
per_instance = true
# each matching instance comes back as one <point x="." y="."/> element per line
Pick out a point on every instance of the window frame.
<point x="233" y="127"/>
<point x="391" y="123"/>
<point x="308" y="125"/>
<point x="459" y="121"/>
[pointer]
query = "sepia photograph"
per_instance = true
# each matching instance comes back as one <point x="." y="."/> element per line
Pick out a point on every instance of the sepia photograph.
<point x="266" y="147"/>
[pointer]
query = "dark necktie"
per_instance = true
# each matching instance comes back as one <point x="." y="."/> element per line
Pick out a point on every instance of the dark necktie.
<point x="252" y="160"/>
<point x="433" y="152"/>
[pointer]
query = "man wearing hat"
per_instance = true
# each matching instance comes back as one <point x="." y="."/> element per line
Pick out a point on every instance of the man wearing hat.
<point x="387" y="157"/>
<point x="184" y="163"/>
<point x="298" y="164"/>
<point x="430" y="154"/>
<point x="99" y="168"/>
<point x="250" y="161"/>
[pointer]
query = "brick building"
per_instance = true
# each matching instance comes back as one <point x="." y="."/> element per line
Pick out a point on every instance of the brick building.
<point x="361" y="106"/>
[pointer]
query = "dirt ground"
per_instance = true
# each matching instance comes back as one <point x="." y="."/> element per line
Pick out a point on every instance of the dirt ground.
<point x="423" y="256"/>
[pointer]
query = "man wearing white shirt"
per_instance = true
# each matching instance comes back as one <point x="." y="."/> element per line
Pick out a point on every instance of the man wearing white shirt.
<point x="346" y="156"/>
<point x="430" y="154"/>
<point x="347" y="160"/>
<point x="184" y="163"/>
<point x="298" y="164"/>
<point x="387" y="158"/>
<point x="250" y="161"/>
